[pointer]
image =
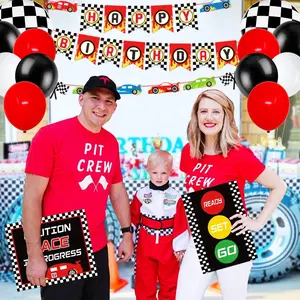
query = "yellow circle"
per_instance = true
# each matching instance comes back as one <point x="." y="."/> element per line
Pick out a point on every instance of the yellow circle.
<point x="219" y="227"/>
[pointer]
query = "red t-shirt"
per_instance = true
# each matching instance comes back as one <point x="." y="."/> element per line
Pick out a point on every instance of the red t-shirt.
<point x="81" y="166"/>
<point x="240" y="165"/>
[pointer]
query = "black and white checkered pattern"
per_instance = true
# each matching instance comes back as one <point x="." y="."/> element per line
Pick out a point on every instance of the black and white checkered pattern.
<point x="162" y="232"/>
<point x="239" y="207"/>
<point x="115" y="43"/>
<point x="71" y="36"/>
<point x="268" y="14"/>
<point x="164" y="47"/>
<point x="210" y="48"/>
<point x="25" y="14"/>
<point x="62" y="88"/>
<point x="197" y="237"/>
<point x="179" y="23"/>
<point x="227" y="78"/>
<point x="77" y="213"/>
<point x="84" y="24"/>
<point x="145" y="9"/>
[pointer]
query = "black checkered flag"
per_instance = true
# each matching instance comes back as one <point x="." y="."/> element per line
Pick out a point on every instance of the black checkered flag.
<point x="186" y="16"/>
<point x="25" y="14"/>
<point x="203" y="54"/>
<point x="268" y="14"/>
<point x="61" y="88"/>
<point x="110" y="51"/>
<point x="227" y="78"/>
<point x="138" y="18"/>
<point x="65" y="42"/>
<point x="156" y="54"/>
<point x="91" y="16"/>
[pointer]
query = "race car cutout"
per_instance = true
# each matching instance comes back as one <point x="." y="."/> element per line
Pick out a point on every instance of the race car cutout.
<point x="199" y="83"/>
<point x="129" y="89"/>
<point x="213" y="5"/>
<point x="165" y="87"/>
<point x="64" y="269"/>
<point x="61" y="5"/>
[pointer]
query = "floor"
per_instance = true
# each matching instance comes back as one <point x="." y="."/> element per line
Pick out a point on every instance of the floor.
<point x="287" y="288"/>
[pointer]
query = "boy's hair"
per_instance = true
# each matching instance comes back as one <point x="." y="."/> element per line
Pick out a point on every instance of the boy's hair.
<point x="160" y="157"/>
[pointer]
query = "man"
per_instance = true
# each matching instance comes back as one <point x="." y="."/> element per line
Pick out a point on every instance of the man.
<point x="74" y="164"/>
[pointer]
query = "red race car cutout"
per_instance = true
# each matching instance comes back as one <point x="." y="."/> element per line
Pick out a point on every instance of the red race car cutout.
<point x="164" y="87"/>
<point x="64" y="269"/>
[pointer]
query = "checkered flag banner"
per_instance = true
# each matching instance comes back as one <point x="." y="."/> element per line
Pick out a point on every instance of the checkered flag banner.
<point x="227" y="78"/>
<point x="268" y="14"/>
<point x="65" y="42"/>
<point x="110" y="51"/>
<point x="156" y="54"/>
<point x="203" y="54"/>
<point x="91" y="16"/>
<point x="186" y="16"/>
<point x="25" y="14"/>
<point x="62" y="88"/>
<point x="138" y="18"/>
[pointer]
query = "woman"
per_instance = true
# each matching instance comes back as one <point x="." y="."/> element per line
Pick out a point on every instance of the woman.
<point x="214" y="155"/>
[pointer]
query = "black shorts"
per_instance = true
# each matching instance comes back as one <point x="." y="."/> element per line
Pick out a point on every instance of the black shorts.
<point x="94" y="288"/>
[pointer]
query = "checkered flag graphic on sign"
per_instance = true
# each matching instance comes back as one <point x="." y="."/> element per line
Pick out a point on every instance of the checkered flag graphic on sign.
<point x="137" y="9"/>
<point x="227" y="78"/>
<point x="208" y="60"/>
<point x="93" y="268"/>
<point x="103" y="48"/>
<point x="25" y="14"/>
<point x="91" y="16"/>
<point x="159" y="50"/>
<point x="66" y="36"/>
<point x="180" y="17"/>
<point x="268" y="14"/>
<point x="62" y="88"/>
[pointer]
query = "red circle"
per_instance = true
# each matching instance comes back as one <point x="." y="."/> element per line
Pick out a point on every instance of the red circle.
<point x="212" y="202"/>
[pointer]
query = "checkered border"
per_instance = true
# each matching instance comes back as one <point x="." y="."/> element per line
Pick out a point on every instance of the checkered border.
<point x="210" y="63"/>
<point x="165" y="49"/>
<point x="77" y="213"/>
<point x="238" y="204"/>
<point x="131" y="10"/>
<point x="258" y="17"/>
<point x="83" y="24"/>
<point x="71" y="35"/>
<point x="117" y="59"/>
<point x="178" y="8"/>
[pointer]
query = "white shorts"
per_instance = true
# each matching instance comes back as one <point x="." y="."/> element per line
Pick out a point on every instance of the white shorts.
<point x="192" y="284"/>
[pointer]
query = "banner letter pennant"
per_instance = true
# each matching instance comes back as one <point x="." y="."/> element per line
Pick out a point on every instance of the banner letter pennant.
<point x="65" y="42"/>
<point x="114" y="18"/>
<point x="162" y="17"/>
<point x="203" y="54"/>
<point x="156" y="54"/>
<point x="87" y="47"/>
<point x="110" y="51"/>
<point x="138" y="18"/>
<point x="91" y="16"/>
<point x="186" y="16"/>
<point x="133" y="54"/>
<point x="180" y="56"/>
<point x="226" y="53"/>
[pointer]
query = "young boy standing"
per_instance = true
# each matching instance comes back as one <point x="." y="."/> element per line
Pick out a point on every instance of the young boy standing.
<point x="158" y="214"/>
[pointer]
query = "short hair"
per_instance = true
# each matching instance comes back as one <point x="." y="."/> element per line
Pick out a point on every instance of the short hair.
<point x="160" y="157"/>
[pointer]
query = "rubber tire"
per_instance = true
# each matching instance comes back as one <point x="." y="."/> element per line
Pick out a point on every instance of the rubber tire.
<point x="274" y="261"/>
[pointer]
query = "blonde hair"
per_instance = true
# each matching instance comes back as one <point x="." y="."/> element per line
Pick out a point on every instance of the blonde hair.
<point x="160" y="157"/>
<point x="228" y="137"/>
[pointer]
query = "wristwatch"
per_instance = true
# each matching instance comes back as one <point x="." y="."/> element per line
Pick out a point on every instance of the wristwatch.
<point x="127" y="229"/>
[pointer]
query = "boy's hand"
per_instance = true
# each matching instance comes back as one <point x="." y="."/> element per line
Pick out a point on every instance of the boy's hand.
<point x="179" y="255"/>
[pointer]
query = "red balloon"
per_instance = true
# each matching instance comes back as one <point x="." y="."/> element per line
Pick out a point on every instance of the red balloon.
<point x="268" y="105"/>
<point x="258" y="40"/>
<point x="35" y="40"/>
<point x="24" y="105"/>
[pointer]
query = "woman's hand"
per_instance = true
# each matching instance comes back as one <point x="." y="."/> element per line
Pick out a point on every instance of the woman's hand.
<point x="244" y="223"/>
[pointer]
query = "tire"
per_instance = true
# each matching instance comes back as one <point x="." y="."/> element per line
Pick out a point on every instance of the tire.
<point x="72" y="272"/>
<point x="188" y="87"/>
<point x="155" y="90"/>
<point x="225" y="4"/>
<point x="134" y="92"/>
<point x="79" y="91"/>
<point x="206" y="8"/>
<point x="208" y="84"/>
<point x="278" y="243"/>
<point x="70" y="9"/>
<point x="174" y="88"/>
<point x="49" y="6"/>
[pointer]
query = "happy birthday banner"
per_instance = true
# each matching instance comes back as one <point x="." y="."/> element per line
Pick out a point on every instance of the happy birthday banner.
<point x="145" y="55"/>
<point x="165" y="87"/>
<point x="149" y="18"/>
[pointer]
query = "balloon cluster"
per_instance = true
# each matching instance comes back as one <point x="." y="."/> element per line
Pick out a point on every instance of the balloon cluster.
<point x="269" y="72"/>
<point x="28" y="74"/>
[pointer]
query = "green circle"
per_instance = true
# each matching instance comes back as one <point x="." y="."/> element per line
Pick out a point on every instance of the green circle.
<point x="226" y="251"/>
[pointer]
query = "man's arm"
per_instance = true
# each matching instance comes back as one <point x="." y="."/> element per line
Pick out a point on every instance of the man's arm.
<point x="120" y="202"/>
<point x="34" y="189"/>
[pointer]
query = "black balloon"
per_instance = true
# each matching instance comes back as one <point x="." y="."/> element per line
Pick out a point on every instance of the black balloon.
<point x="39" y="69"/>
<point x="288" y="37"/>
<point x="8" y="35"/>
<point x="254" y="69"/>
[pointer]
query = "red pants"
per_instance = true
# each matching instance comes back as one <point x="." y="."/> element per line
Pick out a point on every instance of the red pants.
<point x="155" y="263"/>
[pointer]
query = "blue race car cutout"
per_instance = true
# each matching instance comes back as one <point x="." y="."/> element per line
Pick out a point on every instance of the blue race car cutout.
<point x="221" y="4"/>
<point x="129" y="89"/>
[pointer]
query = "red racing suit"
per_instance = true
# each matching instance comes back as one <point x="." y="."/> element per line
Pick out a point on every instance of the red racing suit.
<point x="160" y="219"/>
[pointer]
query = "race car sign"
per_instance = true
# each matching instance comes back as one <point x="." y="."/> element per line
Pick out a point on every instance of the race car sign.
<point x="66" y="246"/>
<point x="208" y="212"/>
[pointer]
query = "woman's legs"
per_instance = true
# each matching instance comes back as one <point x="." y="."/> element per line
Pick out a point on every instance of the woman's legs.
<point x="234" y="281"/>
<point x="192" y="284"/>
